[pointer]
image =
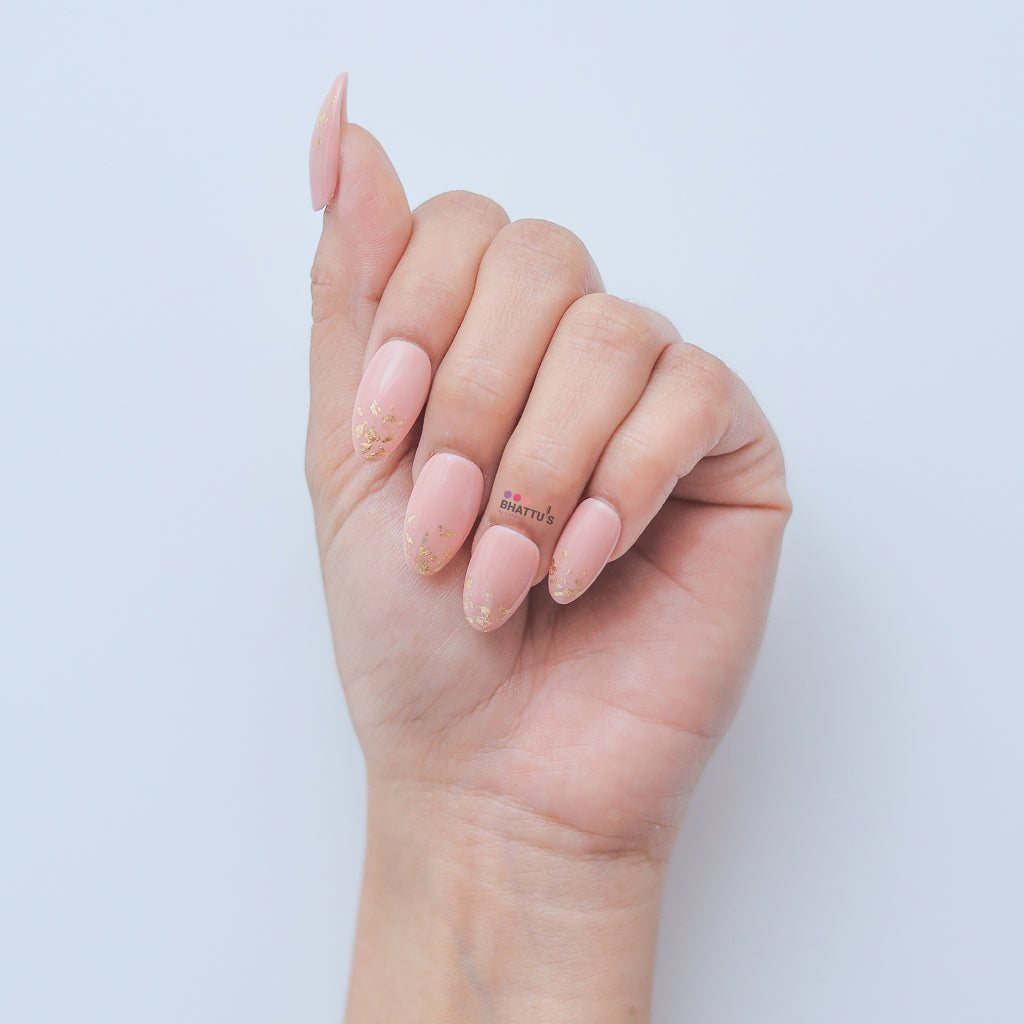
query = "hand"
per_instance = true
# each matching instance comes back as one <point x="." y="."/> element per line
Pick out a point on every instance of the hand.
<point x="569" y="721"/>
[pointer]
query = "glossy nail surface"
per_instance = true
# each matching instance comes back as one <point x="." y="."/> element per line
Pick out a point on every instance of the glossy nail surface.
<point x="500" y="574"/>
<point x="442" y="509"/>
<point x="583" y="549"/>
<point x="325" y="146"/>
<point x="389" y="398"/>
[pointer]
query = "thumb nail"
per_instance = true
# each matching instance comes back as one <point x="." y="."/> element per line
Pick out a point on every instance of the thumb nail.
<point x="325" y="146"/>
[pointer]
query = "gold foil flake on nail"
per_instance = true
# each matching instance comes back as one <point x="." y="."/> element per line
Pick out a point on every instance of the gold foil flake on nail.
<point x="428" y="561"/>
<point x="443" y="532"/>
<point x="424" y="558"/>
<point x="485" y="615"/>
<point x="375" y="408"/>
<point x="359" y="429"/>
<point x="322" y="119"/>
<point x="370" y="437"/>
<point x="479" y="616"/>
<point x="487" y="619"/>
<point x="561" y="588"/>
<point x="359" y="411"/>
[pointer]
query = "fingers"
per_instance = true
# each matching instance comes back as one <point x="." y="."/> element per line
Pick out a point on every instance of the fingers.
<point x="596" y="368"/>
<point x="366" y="227"/>
<point x="325" y="145"/>
<point x="531" y="273"/>
<point x="623" y="414"/>
<point x="693" y="413"/>
<point x="566" y="416"/>
<point x="419" y="314"/>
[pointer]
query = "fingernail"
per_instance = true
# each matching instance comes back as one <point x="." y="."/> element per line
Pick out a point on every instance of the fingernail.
<point x="500" y="574"/>
<point x="389" y="398"/>
<point x="583" y="549"/>
<point x="442" y="509"/>
<point x="325" y="147"/>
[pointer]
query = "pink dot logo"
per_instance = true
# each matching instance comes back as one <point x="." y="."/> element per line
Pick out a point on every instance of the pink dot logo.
<point x="516" y="497"/>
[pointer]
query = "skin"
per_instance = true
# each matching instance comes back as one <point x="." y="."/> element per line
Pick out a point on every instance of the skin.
<point x="525" y="785"/>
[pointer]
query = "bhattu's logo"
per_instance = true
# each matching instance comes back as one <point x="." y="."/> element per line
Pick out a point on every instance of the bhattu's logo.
<point x="514" y="503"/>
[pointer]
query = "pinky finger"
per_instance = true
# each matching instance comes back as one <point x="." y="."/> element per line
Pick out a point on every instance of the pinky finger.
<point x="694" y="408"/>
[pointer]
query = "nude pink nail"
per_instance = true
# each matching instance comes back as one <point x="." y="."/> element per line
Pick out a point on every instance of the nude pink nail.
<point x="500" y="575"/>
<point x="583" y="549"/>
<point x="390" y="397"/>
<point x="442" y="508"/>
<point x="325" y="146"/>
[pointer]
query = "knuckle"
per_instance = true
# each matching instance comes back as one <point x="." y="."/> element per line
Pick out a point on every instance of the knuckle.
<point x="312" y="468"/>
<point x="548" y="459"/>
<point x="431" y="296"/>
<point x="479" y="386"/>
<point x="317" y="464"/>
<point x="640" y="459"/>
<point x="700" y="370"/>
<point x="444" y="298"/>
<point x="546" y="456"/>
<point x="324" y="288"/>
<point x="605" y="321"/>
<point x="544" y="248"/>
<point x="317" y="272"/>
<point x="480" y="208"/>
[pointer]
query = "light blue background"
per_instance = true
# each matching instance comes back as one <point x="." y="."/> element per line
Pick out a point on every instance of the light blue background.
<point x="828" y="196"/>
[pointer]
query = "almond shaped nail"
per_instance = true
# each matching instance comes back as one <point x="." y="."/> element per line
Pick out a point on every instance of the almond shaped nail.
<point x="583" y="549"/>
<point x="500" y="575"/>
<point x="442" y="509"/>
<point x="390" y="397"/>
<point x="325" y="146"/>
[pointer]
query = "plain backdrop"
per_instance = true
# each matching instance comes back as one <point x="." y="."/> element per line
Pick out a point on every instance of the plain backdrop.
<point x="827" y="195"/>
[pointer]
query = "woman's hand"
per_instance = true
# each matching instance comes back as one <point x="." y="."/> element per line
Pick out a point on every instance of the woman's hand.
<point x="546" y="594"/>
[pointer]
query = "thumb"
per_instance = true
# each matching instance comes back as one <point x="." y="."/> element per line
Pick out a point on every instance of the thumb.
<point x="367" y="225"/>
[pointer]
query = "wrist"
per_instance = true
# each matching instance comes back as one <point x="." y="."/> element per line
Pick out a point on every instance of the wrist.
<point x="470" y="912"/>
